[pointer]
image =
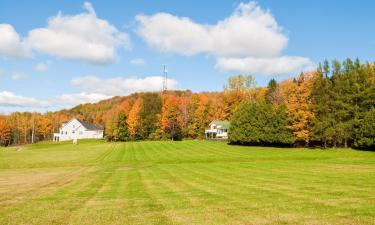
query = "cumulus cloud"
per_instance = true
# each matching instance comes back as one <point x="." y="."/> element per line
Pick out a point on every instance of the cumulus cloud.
<point x="137" y="62"/>
<point x="83" y="37"/>
<point x="121" y="85"/>
<point x="266" y="66"/>
<point x="41" y="67"/>
<point x="248" y="31"/>
<point x="249" y="40"/>
<point x="10" y="99"/>
<point x="11" y="45"/>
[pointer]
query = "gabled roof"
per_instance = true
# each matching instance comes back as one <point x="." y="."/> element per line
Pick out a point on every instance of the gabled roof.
<point x="89" y="126"/>
<point x="223" y="123"/>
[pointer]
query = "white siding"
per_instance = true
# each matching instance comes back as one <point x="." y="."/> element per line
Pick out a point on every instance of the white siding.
<point x="74" y="130"/>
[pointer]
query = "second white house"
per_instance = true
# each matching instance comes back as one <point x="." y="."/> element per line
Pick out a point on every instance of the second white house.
<point x="218" y="130"/>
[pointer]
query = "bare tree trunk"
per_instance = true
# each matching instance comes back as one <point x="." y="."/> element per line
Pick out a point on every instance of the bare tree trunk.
<point x="325" y="143"/>
<point x="334" y="142"/>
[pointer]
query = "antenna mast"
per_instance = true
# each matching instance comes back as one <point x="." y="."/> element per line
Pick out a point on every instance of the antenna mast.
<point x="165" y="71"/>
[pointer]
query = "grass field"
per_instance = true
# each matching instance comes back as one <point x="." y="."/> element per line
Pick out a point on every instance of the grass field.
<point x="188" y="182"/>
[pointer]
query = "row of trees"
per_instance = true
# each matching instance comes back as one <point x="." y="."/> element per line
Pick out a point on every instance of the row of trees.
<point x="342" y="98"/>
<point x="332" y="106"/>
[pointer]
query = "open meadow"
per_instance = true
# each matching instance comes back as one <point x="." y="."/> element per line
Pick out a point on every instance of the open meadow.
<point x="187" y="182"/>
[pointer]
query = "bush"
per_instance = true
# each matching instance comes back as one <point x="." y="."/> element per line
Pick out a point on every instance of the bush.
<point x="260" y="123"/>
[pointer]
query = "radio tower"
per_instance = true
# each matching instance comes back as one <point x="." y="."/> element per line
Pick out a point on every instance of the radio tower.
<point x="165" y="78"/>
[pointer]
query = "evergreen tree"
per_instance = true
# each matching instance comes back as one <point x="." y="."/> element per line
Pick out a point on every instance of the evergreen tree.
<point x="260" y="123"/>
<point x="123" y="134"/>
<point x="366" y="136"/>
<point x="149" y="114"/>
<point x="322" y="106"/>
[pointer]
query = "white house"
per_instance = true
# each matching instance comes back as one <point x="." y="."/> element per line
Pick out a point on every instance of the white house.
<point x="77" y="129"/>
<point x="218" y="130"/>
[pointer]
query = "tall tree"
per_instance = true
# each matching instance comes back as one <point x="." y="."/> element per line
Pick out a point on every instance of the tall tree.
<point x="122" y="128"/>
<point x="297" y="95"/>
<point x="366" y="134"/>
<point x="151" y="108"/>
<point x="322" y="106"/>
<point x="134" y="119"/>
<point x="5" y="132"/>
<point x="273" y="95"/>
<point x="171" y="118"/>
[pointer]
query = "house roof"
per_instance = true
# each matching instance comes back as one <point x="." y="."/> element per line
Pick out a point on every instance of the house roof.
<point x="223" y="123"/>
<point x="89" y="126"/>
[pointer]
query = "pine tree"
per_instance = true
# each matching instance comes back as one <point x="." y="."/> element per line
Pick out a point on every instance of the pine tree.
<point x="322" y="106"/>
<point x="151" y="108"/>
<point x="260" y="123"/>
<point x="366" y="136"/>
<point x="123" y="134"/>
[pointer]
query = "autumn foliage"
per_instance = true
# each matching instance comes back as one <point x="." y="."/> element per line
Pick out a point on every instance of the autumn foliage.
<point x="326" y="107"/>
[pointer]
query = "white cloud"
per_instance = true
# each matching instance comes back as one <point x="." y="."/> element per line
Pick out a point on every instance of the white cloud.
<point x="138" y="62"/>
<point x="92" y="89"/>
<point x="10" y="99"/>
<point x="70" y="100"/>
<point x="249" y="31"/>
<point x="266" y="66"/>
<point x="17" y="76"/>
<point x="41" y="67"/>
<point x="83" y="37"/>
<point x="121" y="85"/>
<point x="11" y="45"/>
<point x="250" y="40"/>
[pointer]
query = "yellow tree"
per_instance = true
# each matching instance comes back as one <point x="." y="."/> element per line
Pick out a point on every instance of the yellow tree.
<point x="133" y="120"/>
<point x="5" y="132"/>
<point x="171" y="117"/>
<point x="297" y="94"/>
<point x="44" y="126"/>
<point x="202" y="115"/>
<point x="217" y="110"/>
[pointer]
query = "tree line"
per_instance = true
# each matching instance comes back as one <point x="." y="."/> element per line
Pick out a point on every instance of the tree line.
<point x="332" y="106"/>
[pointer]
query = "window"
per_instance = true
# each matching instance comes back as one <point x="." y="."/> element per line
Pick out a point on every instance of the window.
<point x="73" y="132"/>
<point x="66" y="132"/>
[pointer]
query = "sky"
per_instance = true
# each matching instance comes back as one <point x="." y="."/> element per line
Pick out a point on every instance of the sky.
<point x="57" y="54"/>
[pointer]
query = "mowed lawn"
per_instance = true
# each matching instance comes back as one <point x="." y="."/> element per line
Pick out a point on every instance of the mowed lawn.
<point x="188" y="182"/>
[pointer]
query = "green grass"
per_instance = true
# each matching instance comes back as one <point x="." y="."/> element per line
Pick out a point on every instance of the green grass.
<point x="188" y="182"/>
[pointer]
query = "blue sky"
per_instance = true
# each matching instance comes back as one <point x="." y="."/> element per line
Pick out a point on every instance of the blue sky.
<point x="50" y="58"/>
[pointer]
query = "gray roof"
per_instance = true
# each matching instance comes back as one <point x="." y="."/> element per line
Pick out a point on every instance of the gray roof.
<point x="89" y="126"/>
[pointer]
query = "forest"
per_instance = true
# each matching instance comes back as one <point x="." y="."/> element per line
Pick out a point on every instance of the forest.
<point x="333" y="106"/>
